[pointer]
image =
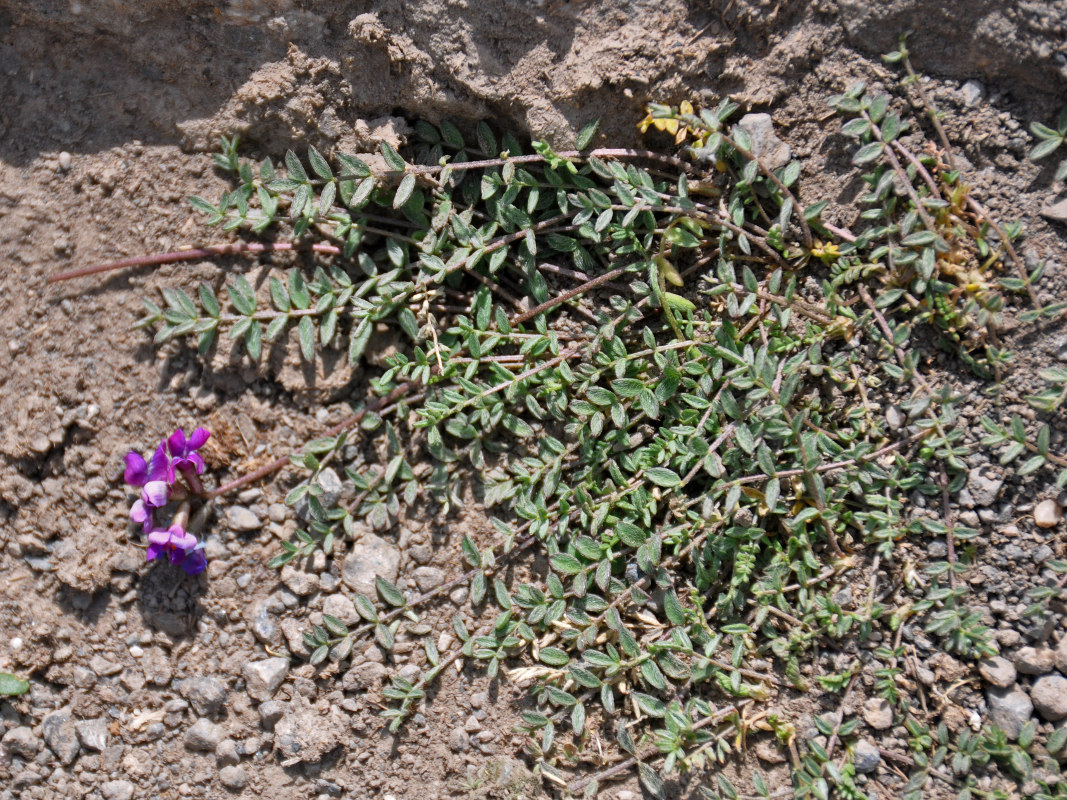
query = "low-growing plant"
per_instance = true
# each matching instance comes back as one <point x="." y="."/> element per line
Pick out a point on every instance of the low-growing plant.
<point x="655" y="372"/>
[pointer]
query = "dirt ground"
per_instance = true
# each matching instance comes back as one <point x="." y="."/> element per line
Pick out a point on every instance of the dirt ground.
<point x="107" y="109"/>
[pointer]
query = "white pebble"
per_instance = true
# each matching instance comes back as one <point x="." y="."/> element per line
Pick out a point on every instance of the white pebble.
<point x="64" y="161"/>
<point x="136" y="651"/>
<point x="16" y="643"/>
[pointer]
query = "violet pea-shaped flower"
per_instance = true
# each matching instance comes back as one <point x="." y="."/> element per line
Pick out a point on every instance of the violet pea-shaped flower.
<point x="195" y="560"/>
<point x="154" y="495"/>
<point x="183" y="455"/>
<point x="139" y="472"/>
<point x="175" y="543"/>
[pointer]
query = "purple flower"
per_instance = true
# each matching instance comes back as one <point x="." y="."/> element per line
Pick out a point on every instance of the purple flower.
<point x="179" y="547"/>
<point x="138" y="472"/>
<point x="154" y="495"/>
<point x="183" y="455"/>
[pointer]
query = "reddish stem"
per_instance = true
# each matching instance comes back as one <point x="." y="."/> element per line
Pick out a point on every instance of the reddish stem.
<point x="190" y="254"/>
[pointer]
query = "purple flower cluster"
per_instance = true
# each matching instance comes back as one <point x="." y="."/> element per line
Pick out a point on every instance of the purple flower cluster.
<point x="172" y="473"/>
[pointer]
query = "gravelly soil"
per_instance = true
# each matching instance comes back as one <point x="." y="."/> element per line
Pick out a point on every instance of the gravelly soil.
<point x="140" y="686"/>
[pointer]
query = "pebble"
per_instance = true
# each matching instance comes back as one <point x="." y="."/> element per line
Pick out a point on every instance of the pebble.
<point x="895" y="418"/>
<point x="878" y="713"/>
<point x="241" y="520"/>
<point x="983" y="489"/>
<point x="277" y="512"/>
<point x="203" y="735"/>
<point x="766" y="146"/>
<point x="478" y="699"/>
<point x="117" y="790"/>
<point x="269" y="714"/>
<point x="767" y="752"/>
<point x="22" y="742"/>
<point x="1047" y="514"/>
<point x="1035" y="660"/>
<point x="1061" y="654"/>
<point x="1049" y="694"/>
<point x="998" y="671"/>
<point x="299" y="582"/>
<point x="205" y="695"/>
<point x="233" y="778"/>
<point x="1056" y="210"/>
<point x="459" y="595"/>
<point x="331" y="487"/>
<point x="459" y="741"/>
<point x="93" y="734"/>
<point x="427" y="578"/>
<point x="64" y="161"/>
<point x="263" y="625"/>
<point x="1009" y="709"/>
<point x="866" y="757"/>
<point x="972" y="92"/>
<point x="226" y="753"/>
<point x="262" y="678"/>
<point x="472" y="724"/>
<point x="60" y="734"/>
<point x="340" y="606"/>
<point x="156" y="667"/>
<point x="371" y="557"/>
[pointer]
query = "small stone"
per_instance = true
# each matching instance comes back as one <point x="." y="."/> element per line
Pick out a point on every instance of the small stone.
<point x="768" y="753"/>
<point x="226" y="753"/>
<point x="983" y="489"/>
<point x="203" y="735"/>
<point x="21" y="742"/>
<point x="156" y="667"/>
<point x="205" y="695"/>
<point x="1009" y="709"/>
<point x="866" y="757"/>
<point x="1056" y="210"/>
<point x="459" y="595"/>
<point x="93" y="734"/>
<point x="263" y="625"/>
<point x="117" y="790"/>
<point x="1049" y="694"/>
<point x="472" y="724"/>
<point x="372" y="557"/>
<point x="998" y="671"/>
<point x="479" y="699"/>
<point x="766" y="146"/>
<point x="233" y="778"/>
<point x="340" y="606"/>
<point x="1061" y="654"/>
<point x="262" y="678"/>
<point x="1047" y="514"/>
<point x="972" y="92"/>
<point x="895" y="418"/>
<point x="298" y="581"/>
<point x="427" y="578"/>
<point x="241" y="520"/>
<point x="64" y="161"/>
<point x="1035" y="660"/>
<point x="61" y="735"/>
<point x="459" y="741"/>
<point x="364" y="676"/>
<point x="269" y="714"/>
<point x="878" y="713"/>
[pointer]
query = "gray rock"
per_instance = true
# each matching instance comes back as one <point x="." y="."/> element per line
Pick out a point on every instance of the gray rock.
<point x="263" y="625"/>
<point x="972" y="93"/>
<point x="427" y="578"/>
<point x="61" y="735"/>
<point x="203" y="735"/>
<point x="226" y="753"/>
<point x="372" y="557"/>
<point x="1061" y="654"/>
<point x="998" y="671"/>
<point x="22" y="742"/>
<point x="768" y="752"/>
<point x="340" y="606"/>
<point x="364" y="676"/>
<point x="459" y="741"/>
<point x="1049" y="694"/>
<point x="1056" y="210"/>
<point x="306" y="734"/>
<point x="117" y="790"/>
<point x="298" y="581"/>
<point x="866" y="756"/>
<point x="262" y="678"/>
<point x="269" y="714"/>
<point x="895" y="418"/>
<point x="156" y="667"/>
<point x="242" y="520"/>
<point x="983" y="489"/>
<point x="233" y="778"/>
<point x="93" y="734"/>
<point x="766" y="145"/>
<point x="1009" y="709"/>
<point x="1035" y="660"/>
<point x="205" y="695"/>
<point x="878" y="713"/>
